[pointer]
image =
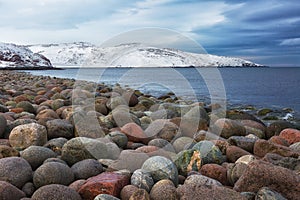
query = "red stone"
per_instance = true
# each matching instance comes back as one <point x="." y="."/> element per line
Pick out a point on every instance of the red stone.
<point x="134" y="133"/>
<point x="216" y="172"/>
<point x="262" y="147"/>
<point x="233" y="153"/>
<point x="16" y="110"/>
<point x="291" y="135"/>
<point x="263" y="174"/>
<point x="105" y="183"/>
<point x="20" y="98"/>
<point x="279" y="140"/>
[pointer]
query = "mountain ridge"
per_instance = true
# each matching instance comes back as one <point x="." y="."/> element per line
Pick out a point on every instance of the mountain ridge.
<point x="82" y="54"/>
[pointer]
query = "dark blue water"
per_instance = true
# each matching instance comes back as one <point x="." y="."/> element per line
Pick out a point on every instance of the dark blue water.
<point x="261" y="87"/>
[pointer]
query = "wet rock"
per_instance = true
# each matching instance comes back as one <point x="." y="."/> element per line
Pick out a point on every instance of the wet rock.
<point x="105" y="183"/>
<point x="291" y="135"/>
<point x="209" y="152"/>
<point x="55" y="191"/>
<point x="134" y="133"/>
<point x="276" y="127"/>
<point x="262" y="147"/>
<point x="52" y="173"/>
<point x="59" y="128"/>
<point x="142" y="179"/>
<point x="182" y="143"/>
<point x="262" y="174"/>
<point x="140" y="194"/>
<point x="187" y="161"/>
<point x="162" y="129"/>
<point x="9" y="191"/>
<point x="128" y="191"/>
<point x="36" y="155"/>
<point x="216" y="172"/>
<point x="279" y="140"/>
<point x="26" y="106"/>
<point x="11" y="168"/>
<point x="161" y="168"/>
<point x="255" y="128"/>
<point x="27" y="135"/>
<point x="86" y="168"/>
<point x="264" y="111"/>
<point x="243" y="142"/>
<point x="266" y="193"/>
<point x="197" y="112"/>
<point x="233" y="153"/>
<point x="81" y="148"/>
<point x="227" y="128"/>
<point x="163" y="189"/>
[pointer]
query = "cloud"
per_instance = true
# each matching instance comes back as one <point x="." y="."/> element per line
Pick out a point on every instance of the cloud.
<point x="291" y="42"/>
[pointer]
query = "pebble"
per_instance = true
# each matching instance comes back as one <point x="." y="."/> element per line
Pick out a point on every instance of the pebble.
<point x="233" y="153"/>
<point x="290" y="135"/>
<point x="52" y="173"/>
<point x="187" y="161"/>
<point x="262" y="174"/>
<point x="56" y="144"/>
<point x="266" y="193"/>
<point x="142" y="179"/>
<point x="182" y="143"/>
<point x="243" y="142"/>
<point x="27" y="135"/>
<point x="11" y="168"/>
<point x="128" y="191"/>
<point x="105" y="197"/>
<point x="163" y="189"/>
<point x="59" y="128"/>
<point x="161" y="168"/>
<point x="26" y="106"/>
<point x="162" y="129"/>
<point x="140" y="194"/>
<point x="28" y="189"/>
<point x="86" y="168"/>
<point x="106" y="183"/>
<point x="9" y="191"/>
<point x="119" y="138"/>
<point x="209" y="152"/>
<point x="276" y="127"/>
<point x="55" y="191"/>
<point x="216" y="172"/>
<point x="36" y="155"/>
<point x="3" y="124"/>
<point x="135" y="133"/>
<point x="227" y="128"/>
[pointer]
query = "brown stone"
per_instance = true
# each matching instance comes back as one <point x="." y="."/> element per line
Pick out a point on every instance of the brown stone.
<point x="291" y="135"/>
<point x="163" y="129"/>
<point x="163" y="189"/>
<point x="134" y="133"/>
<point x="140" y="194"/>
<point x="20" y="98"/>
<point x="16" y="110"/>
<point x="227" y="128"/>
<point x="76" y="185"/>
<point x="9" y="191"/>
<point x="216" y="172"/>
<point x="254" y="127"/>
<point x="7" y="151"/>
<point x="128" y="191"/>
<point x="279" y="140"/>
<point x="262" y="174"/>
<point x="47" y="113"/>
<point x="262" y="147"/>
<point x="105" y="183"/>
<point x="233" y="153"/>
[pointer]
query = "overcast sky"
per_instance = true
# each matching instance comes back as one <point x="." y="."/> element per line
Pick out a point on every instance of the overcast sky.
<point x="266" y="32"/>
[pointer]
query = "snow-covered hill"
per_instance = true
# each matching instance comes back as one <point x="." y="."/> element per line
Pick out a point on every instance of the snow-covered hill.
<point x="16" y="56"/>
<point x="131" y="55"/>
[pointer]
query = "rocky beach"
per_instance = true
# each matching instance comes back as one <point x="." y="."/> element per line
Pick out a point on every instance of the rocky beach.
<point x="70" y="139"/>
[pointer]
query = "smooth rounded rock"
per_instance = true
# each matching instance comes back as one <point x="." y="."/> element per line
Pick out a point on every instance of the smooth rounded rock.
<point x="55" y="192"/>
<point x="53" y="173"/>
<point x="11" y="168"/>
<point x="59" y="128"/>
<point x="163" y="189"/>
<point x="187" y="161"/>
<point x="27" y="135"/>
<point x="27" y="106"/>
<point x="291" y="135"/>
<point x="162" y="129"/>
<point x="81" y="148"/>
<point x="56" y="144"/>
<point x="86" y="168"/>
<point x="161" y="168"/>
<point x="105" y="197"/>
<point x="142" y="179"/>
<point x="36" y="155"/>
<point x="3" y="124"/>
<point x="128" y="191"/>
<point x="267" y="193"/>
<point x="181" y="143"/>
<point x="216" y="172"/>
<point x="10" y="192"/>
<point x="140" y="194"/>
<point x="28" y="189"/>
<point x="227" y="128"/>
<point x="119" y="138"/>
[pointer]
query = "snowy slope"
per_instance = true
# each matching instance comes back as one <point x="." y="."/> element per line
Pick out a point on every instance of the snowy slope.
<point x="12" y="56"/>
<point x="131" y="55"/>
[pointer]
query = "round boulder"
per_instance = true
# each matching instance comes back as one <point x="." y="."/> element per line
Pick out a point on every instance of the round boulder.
<point x="36" y="155"/>
<point x="54" y="192"/>
<point x="53" y="173"/>
<point x="59" y="128"/>
<point x="27" y="135"/>
<point x="86" y="168"/>
<point x="11" y="168"/>
<point x="9" y="191"/>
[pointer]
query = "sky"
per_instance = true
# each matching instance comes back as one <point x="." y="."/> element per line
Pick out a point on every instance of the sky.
<point x="265" y="32"/>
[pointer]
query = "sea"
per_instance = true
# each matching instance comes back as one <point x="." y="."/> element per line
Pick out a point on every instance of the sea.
<point x="274" y="87"/>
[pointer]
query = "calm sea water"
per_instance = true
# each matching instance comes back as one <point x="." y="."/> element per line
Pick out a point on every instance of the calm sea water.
<point x="260" y="87"/>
